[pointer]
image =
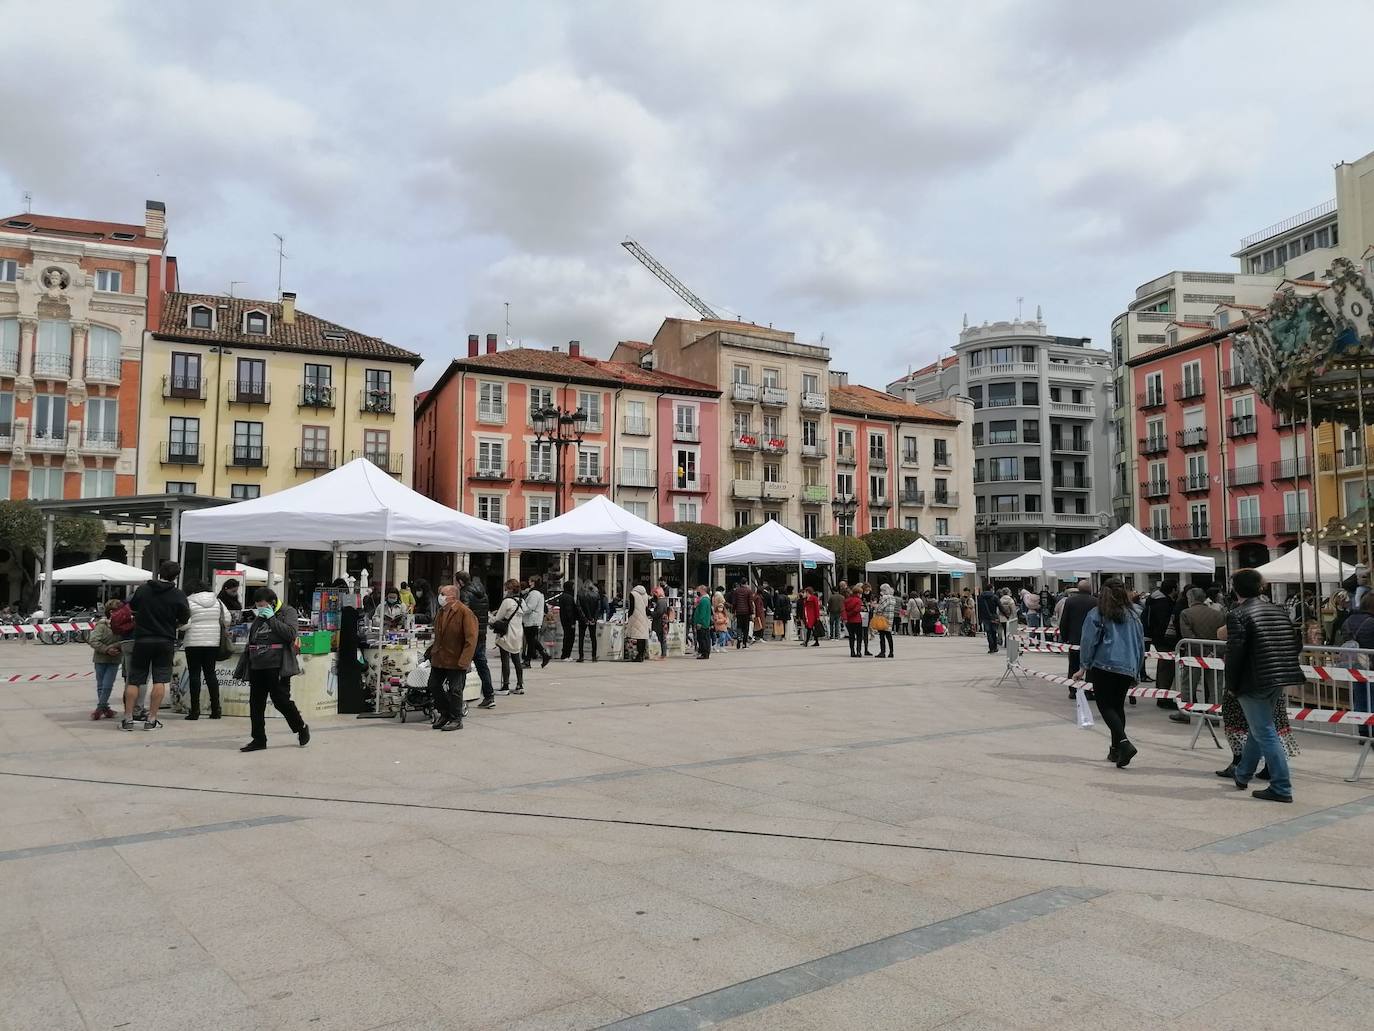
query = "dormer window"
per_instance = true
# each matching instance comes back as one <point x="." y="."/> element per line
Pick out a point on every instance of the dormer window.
<point x="255" y="322"/>
<point x="202" y="317"/>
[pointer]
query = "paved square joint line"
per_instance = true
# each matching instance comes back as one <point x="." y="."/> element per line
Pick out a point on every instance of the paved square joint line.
<point x="135" y="839"/>
<point x="1261" y="836"/>
<point x="710" y="1009"/>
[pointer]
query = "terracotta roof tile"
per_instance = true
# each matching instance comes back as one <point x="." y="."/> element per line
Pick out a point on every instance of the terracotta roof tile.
<point x="638" y="376"/>
<point x="860" y="400"/>
<point x="78" y="228"/>
<point x="306" y="335"/>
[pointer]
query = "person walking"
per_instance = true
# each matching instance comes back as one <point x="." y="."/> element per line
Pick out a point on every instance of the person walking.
<point x="1075" y="608"/>
<point x="588" y="613"/>
<point x="811" y="617"/>
<point x="1161" y="629"/>
<point x="1113" y="645"/>
<point x="834" y="610"/>
<point x="508" y="625"/>
<point x="637" y="623"/>
<point x="450" y="656"/>
<point x="533" y="617"/>
<point x="660" y="610"/>
<point x="1262" y="662"/>
<point x="1197" y="622"/>
<point x="781" y="613"/>
<point x="703" y="622"/>
<point x="853" y="622"/>
<point x="159" y="608"/>
<point x="742" y="605"/>
<point x="884" y="613"/>
<point x="268" y="662"/>
<point x="988" y="615"/>
<point x="472" y="594"/>
<point x="567" y="617"/>
<point x="209" y="618"/>
<point x="105" y="655"/>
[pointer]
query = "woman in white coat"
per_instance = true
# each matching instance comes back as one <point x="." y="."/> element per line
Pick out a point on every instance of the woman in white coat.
<point x="637" y="623"/>
<point x="208" y="617"/>
<point x="510" y="642"/>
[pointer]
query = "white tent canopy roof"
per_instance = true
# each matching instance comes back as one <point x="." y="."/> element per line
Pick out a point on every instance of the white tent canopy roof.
<point x="921" y="557"/>
<point x="771" y="543"/>
<point x="358" y="506"/>
<point x="1127" y="550"/>
<point x="597" y="525"/>
<point x="1285" y="569"/>
<point x="1032" y="563"/>
<point x="101" y="571"/>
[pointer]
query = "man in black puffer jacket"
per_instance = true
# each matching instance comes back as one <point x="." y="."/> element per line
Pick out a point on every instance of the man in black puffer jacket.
<point x="1262" y="661"/>
<point x="472" y="594"/>
<point x="1077" y="605"/>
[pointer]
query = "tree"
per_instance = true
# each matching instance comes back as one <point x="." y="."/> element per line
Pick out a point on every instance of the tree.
<point x="702" y="539"/>
<point x="850" y="550"/>
<point x="22" y="529"/>
<point x="883" y="543"/>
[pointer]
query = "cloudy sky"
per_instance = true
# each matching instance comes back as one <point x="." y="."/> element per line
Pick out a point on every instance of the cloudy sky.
<point x="861" y="172"/>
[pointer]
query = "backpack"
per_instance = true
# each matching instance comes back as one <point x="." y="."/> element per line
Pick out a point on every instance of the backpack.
<point x="122" y="620"/>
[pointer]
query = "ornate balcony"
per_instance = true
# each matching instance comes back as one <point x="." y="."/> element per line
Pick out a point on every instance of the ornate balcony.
<point x="639" y="478"/>
<point x="812" y="401"/>
<point x="246" y="456"/>
<point x="1154" y="488"/>
<point x="381" y="402"/>
<point x="945" y="499"/>
<point x="686" y="485"/>
<point x="489" y="470"/>
<point x="103" y="441"/>
<point x="1189" y="389"/>
<point x="1241" y="426"/>
<point x="815" y="450"/>
<point x="1195" y="436"/>
<point x="687" y="434"/>
<point x="773" y="397"/>
<point x="1251" y="526"/>
<point x="744" y="440"/>
<point x="392" y="462"/>
<point x="103" y="370"/>
<point x="176" y="453"/>
<point x="1147" y="399"/>
<point x="747" y="393"/>
<point x="1154" y="445"/>
<point x="1194" y="483"/>
<point x="249" y="392"/>
<point x="316" y="459"/>
<point x="1289" y="469"/>
<point x="187" y="388"/>
<point x="315" y="395"/>
<point x="775" y="444"/>
<point x="1244" y="476"/>
<point x="635" y="426"/>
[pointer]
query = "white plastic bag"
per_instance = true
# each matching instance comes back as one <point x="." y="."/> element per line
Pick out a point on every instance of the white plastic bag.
<point x="419" y="676"/>
<point x="1085" y="712"/>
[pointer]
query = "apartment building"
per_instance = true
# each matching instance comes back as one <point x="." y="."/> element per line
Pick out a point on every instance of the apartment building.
<point x="1040" y="403"/>
<point x="75" y="298"/>
<point x="775" y="422"/>
<point x="645" y="438"/>
<point x="1220" y="472"/>
<point x="902" y="465"/>
<point x="244" y="397"/>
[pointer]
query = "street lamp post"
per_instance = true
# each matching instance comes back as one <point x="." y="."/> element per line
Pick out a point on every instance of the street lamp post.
<point x="559" y="427"/>
<point x="844" y="506"/>
<point x="989" y="527"/>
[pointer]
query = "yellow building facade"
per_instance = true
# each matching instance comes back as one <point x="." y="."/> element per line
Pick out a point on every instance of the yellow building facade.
<point x="241" y="398"/>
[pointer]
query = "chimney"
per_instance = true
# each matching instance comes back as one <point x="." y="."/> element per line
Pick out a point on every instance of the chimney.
<point x="491" y="343"/>
<point x="155" y="219"/>
<point x="288" y="307"/>
<point x="474" y="345"/>
<point x="575" y="348"/>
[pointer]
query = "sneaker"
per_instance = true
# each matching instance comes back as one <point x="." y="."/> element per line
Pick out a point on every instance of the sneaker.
<point x="140" y="714"/>
<point x="95" y="714"/>
<point x="503" y="689"/>
<point x="254" y="746"/>
<point x="517" y="690"/>
<point x="127" y="724"/>
<point x="455" y="725"/>
<point x="440" y="723"/>
<point x="152" y="724"/>
<point x="487" y="703"/>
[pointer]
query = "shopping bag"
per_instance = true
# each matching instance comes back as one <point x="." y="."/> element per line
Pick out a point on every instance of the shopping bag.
<point x="1085" y="712"/>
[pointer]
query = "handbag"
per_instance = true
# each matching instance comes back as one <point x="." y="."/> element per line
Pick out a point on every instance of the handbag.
<point x="879" y="623"/>
<point x="226" y="648"/>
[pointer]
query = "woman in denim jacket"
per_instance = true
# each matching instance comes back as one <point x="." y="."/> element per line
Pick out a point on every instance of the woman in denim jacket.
<point x="1110" y="658"/>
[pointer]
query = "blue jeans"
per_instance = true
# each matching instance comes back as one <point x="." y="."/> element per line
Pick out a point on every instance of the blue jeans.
<point x="1263" y="740"/>
<point x="990" y="627"/>
<point x="104" y="682"/>
<point x="479" y="663"/>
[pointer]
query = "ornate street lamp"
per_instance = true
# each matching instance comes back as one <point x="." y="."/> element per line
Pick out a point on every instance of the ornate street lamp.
<point x="844" y="506"/>
<point x="560" y="427"/>
<point x="988" y="525"/>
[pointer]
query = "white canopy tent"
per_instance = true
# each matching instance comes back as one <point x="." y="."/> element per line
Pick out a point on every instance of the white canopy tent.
<point x="921" y="557"/>
<point x="1301" y="564"/>
<point x="101" y="571"/>
<point x="602" y="527"/>
<point x="1127" y="550"/>
<point x="772" y="544"/>
<point x="1032" y="563"/>
<point x="255" y="577"/>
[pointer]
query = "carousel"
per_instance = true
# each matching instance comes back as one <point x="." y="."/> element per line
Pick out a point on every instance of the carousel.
<point x="1312" y="357"/>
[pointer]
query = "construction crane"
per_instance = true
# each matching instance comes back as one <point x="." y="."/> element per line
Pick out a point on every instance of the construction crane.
<point x="652" y="264"/>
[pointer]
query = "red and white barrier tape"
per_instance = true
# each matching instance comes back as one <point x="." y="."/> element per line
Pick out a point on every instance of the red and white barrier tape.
<point x="43" y="628"/>
<point x="1055" y="678"/>
<point x="1298" y="715"/>
<point x="24" y="678"/>
<point x="1055" y="648"/>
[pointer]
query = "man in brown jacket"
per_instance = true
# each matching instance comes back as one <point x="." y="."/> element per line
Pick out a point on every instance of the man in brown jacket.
<point x="455" y="641"/>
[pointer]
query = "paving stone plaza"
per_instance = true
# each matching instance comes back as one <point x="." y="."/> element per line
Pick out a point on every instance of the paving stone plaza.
<point x="775" y="839"/>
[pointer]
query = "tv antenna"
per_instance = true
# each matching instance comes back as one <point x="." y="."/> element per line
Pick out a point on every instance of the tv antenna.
<point x="28" y="203"/>
<point x="281" y="256"/>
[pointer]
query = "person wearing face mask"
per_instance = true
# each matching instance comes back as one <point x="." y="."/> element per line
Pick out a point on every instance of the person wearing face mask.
<point x="268" y="663"/>
<point x="455" y="642"/>
<point x="394" y="614"/>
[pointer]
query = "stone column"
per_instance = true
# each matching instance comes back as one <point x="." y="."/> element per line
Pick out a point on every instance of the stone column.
<point x="23" y="383"/>
<point x="76" y="385"/>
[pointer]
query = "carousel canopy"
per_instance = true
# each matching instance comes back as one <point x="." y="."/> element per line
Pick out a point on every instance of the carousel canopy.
<point x="920" y="556"/>
<point x="771" y="543"/>
<point x="1307" y="564"/>
<point x="1127" y="550"/>
<point x="597" y="525"/>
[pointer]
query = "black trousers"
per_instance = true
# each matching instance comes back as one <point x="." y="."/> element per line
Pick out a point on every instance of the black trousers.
<point x="262" y="685"/>
<point x="743" y="624"/>
<point x="855" y="639"/>
<point x="507" y="660"/>
<point x="813" y="633"/>
<point x="534" y="647"/>
<point x="863" y="636"/>
<point x="446" y="688"/>
<point x="990" y="625"/>
<point x="661" y="632"/>
<point x="585" y="630"/>
<point x="201" y="661"/>
<point x="885" y="643"/>
<point x="569" y="637"/>
<point x="703" y="639"/>
<point x="1110" y="691"/>
<point x="639" y="647"/>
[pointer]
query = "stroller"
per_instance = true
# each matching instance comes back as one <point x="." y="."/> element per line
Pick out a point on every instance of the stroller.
<point x="413" y="695"/>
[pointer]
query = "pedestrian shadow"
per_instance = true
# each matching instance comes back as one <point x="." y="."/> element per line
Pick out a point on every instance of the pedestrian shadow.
<point x="1057" y="760"/>
<point x="1201" y="793"/>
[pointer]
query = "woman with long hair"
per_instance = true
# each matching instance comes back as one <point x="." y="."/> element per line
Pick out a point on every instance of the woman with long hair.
<point x="1110" y="658"/>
